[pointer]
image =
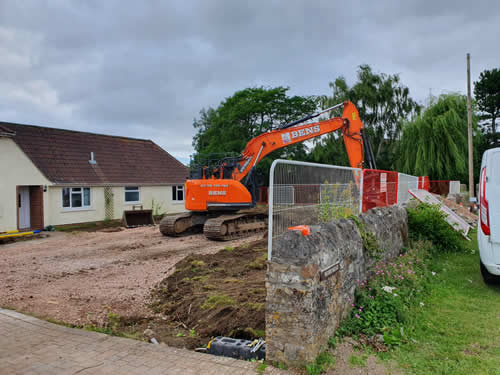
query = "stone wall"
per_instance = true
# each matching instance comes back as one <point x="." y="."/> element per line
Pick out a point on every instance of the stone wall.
<point x="311" y="280"/>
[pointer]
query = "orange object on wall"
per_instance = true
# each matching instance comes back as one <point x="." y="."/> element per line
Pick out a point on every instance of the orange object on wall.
<point x="304" y="229"/>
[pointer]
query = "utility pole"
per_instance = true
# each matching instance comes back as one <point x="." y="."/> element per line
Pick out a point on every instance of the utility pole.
<point x="469" y="121"/>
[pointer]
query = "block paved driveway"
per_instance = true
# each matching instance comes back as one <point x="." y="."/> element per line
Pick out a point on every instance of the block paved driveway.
<point x="32" y="346"/>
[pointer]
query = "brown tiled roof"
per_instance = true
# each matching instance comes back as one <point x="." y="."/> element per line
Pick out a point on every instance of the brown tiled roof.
<point x="63" y="157"/>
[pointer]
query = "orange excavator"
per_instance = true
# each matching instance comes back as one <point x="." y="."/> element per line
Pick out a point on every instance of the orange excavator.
<point x="216" y="195"/>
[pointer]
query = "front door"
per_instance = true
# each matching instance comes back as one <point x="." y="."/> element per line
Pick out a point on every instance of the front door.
<point x="24" y="207"/>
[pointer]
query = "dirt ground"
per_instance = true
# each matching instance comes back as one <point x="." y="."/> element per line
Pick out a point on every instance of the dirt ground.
<point x="221" y="294"/>
<point x="367" y="366"/>
<point x="77" y="277"/>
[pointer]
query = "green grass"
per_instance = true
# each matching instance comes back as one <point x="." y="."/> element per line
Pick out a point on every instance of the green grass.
<point x="324" y="361"/>
<point x="458" y="329"/>
<point x="261" y="368"/>
<point x="89" y="226"/>
<point x="71" y="228"/>
<point x="357" y="360"/>
<point x="217" y="301"/>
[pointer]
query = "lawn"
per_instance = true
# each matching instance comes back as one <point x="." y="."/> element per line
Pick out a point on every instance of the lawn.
<point x="457" y="331"/>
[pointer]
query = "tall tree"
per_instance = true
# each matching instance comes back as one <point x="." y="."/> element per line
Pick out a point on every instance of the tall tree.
<point x="435" y="143"/>
<point x="246" y="114"/>
<point x="487" y="93"/>
<point x="383" y="103"/>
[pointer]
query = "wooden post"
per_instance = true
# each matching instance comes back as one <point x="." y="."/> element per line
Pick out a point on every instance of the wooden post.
<point x="469" y="121"/>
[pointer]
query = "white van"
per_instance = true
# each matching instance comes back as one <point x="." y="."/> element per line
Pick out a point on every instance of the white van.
<point x="488" y="233"/>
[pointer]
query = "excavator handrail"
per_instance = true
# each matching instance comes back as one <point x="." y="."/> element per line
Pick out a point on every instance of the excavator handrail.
<point x="309" y="117"/>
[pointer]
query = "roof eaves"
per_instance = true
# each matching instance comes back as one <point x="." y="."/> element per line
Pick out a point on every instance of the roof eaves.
<point x="4" y="132"/>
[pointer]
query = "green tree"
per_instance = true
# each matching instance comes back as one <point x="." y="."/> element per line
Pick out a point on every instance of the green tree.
<point x="383" y="103"/>
<point x="487" y="93"/>
<point x="246" y="114"/>
<point x="435" y="143"/>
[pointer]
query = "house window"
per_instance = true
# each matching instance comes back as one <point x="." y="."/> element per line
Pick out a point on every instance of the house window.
<point x="178" y="193"/>
<point x="132" y="194"/>
<point x="76" y="197"/>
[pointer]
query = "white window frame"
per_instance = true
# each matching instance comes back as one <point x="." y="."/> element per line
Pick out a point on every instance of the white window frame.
<point x="81" y="193"/>
<point x="132" y="189"/>
<point x="178" y="187"/>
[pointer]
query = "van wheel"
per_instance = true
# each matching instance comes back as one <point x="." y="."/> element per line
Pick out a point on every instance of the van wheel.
<point x="488" y="277"/>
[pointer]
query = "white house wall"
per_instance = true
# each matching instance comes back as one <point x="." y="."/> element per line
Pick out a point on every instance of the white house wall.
<point x="16" y="169"/>
<point x="162" y="196"/>
<point x="60" y="216"/>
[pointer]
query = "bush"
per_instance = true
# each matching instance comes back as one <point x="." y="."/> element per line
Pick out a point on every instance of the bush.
<point x="427" y="222"/>
<point x="383" y="302"/>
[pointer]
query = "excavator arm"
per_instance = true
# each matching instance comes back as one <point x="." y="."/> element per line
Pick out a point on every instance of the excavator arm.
<point x="290" y="134"/>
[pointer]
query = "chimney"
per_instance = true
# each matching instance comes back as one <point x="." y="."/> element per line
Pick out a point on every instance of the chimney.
<point x="92" y="160"/>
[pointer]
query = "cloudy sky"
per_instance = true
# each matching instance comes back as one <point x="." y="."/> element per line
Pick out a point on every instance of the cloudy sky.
<point x="145" y="68"/>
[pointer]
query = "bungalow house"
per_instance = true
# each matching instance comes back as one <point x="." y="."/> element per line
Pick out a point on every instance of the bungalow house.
<point x="57" y="177"/>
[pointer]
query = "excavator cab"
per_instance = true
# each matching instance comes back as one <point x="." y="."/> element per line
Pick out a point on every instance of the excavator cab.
<point x="218" y="165"/>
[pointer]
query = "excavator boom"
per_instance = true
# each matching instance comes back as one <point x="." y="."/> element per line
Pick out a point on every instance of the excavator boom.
<point x="266" y="143"/>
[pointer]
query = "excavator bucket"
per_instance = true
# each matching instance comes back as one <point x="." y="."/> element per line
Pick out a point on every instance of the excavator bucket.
<point x="138" y="217"/>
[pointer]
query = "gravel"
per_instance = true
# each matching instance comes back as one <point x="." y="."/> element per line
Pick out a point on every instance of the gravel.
<point x="79" y="277"/>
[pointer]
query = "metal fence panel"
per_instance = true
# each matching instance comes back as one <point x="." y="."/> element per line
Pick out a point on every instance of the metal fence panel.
<point x="406" y="182"/>
<point x="380" y="188"/>
<point x="303" y="193"/>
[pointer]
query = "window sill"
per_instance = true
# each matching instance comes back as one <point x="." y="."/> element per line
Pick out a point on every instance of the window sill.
<point x="65" y="210"/>
<point x="132" y="203"/>
<point x="177" y="202"/>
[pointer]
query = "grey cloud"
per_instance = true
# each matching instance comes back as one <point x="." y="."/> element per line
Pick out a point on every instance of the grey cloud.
<point x="145" y="69"/>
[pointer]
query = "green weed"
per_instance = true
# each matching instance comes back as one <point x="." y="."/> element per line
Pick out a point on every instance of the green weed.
<point x="258" y="264"/>
<point x="217" y="301"/>
<point x="333" y="202"/>
<point x="332" y="342"/>
<point x="208" y="287"/>
<point x="257" y="306"/>
<point x="198" y="263"/>
<point x="323" y="362"/>
<point x="357" y="360"/>
<point x="261" y="368"/>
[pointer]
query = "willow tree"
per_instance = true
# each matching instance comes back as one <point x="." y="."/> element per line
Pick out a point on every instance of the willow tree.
<point x="435" y="143"/>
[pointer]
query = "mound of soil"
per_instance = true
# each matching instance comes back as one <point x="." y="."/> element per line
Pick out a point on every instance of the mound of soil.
<point x="222" y="294"/>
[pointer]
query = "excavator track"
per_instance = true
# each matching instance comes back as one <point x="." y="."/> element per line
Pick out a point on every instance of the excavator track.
<point x="230" y="227"/>
<point x="181" y="224"/>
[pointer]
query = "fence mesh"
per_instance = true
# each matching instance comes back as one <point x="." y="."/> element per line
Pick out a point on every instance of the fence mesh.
<point x="380" y="188"/>
<point x="406" y="182"/>
<point x="307" y="194"/>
